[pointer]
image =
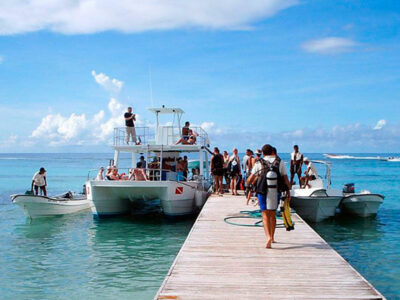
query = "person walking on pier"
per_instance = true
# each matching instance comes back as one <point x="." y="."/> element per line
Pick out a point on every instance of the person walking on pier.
<point x="130" y="126"/>
<point x="216" y="166"/>
<point x="272" y="179"/>
<point x="234" y="170"/>
<point x="226" y="171"/>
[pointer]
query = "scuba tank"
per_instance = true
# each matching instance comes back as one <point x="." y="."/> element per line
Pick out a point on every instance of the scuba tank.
<point x="272" y="184"/>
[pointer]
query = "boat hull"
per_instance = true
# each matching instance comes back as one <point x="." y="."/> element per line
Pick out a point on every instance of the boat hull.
<point x="111" y="198"/>
<point x="362" y="205"/>
<point x="38" y="206"/>
<point x="315" y="208"/>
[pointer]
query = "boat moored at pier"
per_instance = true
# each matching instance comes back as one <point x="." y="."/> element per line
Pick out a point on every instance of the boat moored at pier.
<point x="178" y="194"/>
<point x="319" y="201"/>
<point x="45" y="206"/>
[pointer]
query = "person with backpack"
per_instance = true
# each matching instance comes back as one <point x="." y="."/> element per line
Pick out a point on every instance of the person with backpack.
<point x="234" y="170"/>
<point x="217" y="170"/>
<point x="270" y="176"/>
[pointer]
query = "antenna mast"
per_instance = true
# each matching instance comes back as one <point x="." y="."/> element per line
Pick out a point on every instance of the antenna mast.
<point x="151" y="87"/>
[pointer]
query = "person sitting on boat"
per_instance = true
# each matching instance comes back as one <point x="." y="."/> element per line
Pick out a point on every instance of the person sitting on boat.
<point x="109" y="172"/>
<point x="141" y="164"/>
<point x="180" y="169"/>
<point x="100" y="174"/>
<point x="112" y="174"/>
<point x="310" y="173"/>
<point x="39" y="182"/>
<point x="296" y="162"/>
<point x="190" y="140"/>
<point x="154" y="167"/>
<point x="137" y="174"/>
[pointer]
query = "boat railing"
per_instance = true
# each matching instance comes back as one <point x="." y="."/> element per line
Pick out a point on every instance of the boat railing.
<point x="163" y="135"/>
<point x="152" y="174"/>
<point x="327" y="171"/>
<point x="143" y="136"/>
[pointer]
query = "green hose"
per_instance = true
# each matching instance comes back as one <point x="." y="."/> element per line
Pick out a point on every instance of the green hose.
<point x="252" y="214"/>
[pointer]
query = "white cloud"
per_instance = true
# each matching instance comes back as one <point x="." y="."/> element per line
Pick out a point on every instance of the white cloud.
<point x="345" y="138"/>
<point x="77" y="129"/>
<point x="110" y="85"/>
<point x="329" y="45"/>
<point x="380" y="124"/>
<point x="89" y="16"/>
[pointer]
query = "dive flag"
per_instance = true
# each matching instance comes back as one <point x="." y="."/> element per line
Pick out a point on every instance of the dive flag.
<point x="179" y="190"/>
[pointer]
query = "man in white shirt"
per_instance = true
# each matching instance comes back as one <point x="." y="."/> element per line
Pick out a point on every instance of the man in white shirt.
<point x="296" y="162"/>
<point x="39" y="181"/>
<point x="311" y="173"/>
<point x="269" y="204"/>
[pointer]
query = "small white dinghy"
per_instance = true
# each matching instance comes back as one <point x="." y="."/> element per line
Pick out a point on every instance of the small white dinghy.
<point x="364" y="204"/>
<point x="42" y="206"/>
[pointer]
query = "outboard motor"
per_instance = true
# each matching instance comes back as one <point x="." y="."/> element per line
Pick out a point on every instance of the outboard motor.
<point x="348" y="188"/>
<point x="272" y="183"/>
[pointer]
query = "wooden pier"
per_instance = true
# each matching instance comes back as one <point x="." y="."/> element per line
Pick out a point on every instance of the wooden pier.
<point x="223" y="261"/>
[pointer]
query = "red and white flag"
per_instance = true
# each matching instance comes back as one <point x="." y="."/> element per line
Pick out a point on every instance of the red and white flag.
<point x="179" y="190"/>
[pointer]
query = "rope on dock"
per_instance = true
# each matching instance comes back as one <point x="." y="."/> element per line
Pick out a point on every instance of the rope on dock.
<point x="252" y="214"/>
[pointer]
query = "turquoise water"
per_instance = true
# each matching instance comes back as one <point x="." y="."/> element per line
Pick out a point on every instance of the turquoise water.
<point x="75" y="256"/>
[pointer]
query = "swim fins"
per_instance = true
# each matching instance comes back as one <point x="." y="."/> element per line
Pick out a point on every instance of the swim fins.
<point x="286" y="216"/>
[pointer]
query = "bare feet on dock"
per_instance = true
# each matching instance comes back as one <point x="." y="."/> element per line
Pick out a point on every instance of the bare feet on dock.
<point x="268" y="245"/>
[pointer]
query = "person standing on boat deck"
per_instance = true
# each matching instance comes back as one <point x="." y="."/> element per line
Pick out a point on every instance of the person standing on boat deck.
<point x="310" y="173"/>
<point x="130" y="126"/>
<point x="296" y="162"/>
<point x="272" y="179"/>
<point x="186" y="167"/>
<point x="217" y="170"/>
<point x="39" y="182"/>
<point x="234" y="170"/>
<point x="141" y="164"/>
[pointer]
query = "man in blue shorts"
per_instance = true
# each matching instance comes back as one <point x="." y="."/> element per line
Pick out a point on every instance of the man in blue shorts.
<point x="271" y="176"/>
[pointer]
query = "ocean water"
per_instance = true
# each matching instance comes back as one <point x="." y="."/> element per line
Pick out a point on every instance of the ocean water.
<point x="75" y="256"/>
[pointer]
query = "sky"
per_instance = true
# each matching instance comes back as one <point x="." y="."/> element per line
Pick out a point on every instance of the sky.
<point x="321" y="74"/>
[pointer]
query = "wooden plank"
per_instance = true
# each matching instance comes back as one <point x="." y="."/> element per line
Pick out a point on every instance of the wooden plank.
<point x="223" y="261"/>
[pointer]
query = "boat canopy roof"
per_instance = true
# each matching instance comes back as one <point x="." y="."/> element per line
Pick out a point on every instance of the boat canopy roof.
<point x="165" y="110"/>
<point x="159" y="148"/>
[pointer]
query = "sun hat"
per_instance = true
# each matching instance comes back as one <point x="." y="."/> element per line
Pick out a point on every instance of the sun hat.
<point x="305" y="159"/>
<point x="258" y="152"/>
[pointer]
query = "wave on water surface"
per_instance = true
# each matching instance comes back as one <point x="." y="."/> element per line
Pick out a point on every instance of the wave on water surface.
<point x="335" y="156"/>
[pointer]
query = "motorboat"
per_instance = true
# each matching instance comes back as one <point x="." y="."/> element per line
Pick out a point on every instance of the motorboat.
<point x="337" y="156"/>
<point x="393" y="159"/>
<point x="44" y="206"/>
<point x="160" y="180"/>
<point x="319" y="201"/>
<point x="363" y="204"/>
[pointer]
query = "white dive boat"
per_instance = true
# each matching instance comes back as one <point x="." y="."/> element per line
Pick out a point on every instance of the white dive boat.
<point x="43" y="206"/>
<point x="393" y="159"/>
<point x="364" y="204"/>
<point x="177" y="195"/>
<point x="318" y="202"/>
